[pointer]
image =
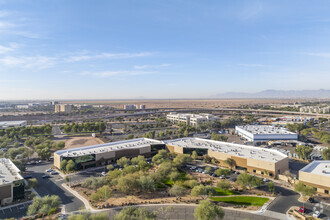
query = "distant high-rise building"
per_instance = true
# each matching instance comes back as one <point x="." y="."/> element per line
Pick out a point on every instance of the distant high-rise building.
<point x="130" y="107"/>
<point x="54" y="102"/>
<point x="142" y="106"/>
<point x="63" y="108"/>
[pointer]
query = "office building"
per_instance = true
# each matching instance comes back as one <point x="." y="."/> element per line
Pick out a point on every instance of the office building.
<point x="102" y="154"/>
<point x="252" y="159"/>
<point x="130" y="107"/>
<point x="142" y="106"/>
<point x="262" y="133"/>
<point x="191" y="119"/>
<point x="317" y="175"/>
<point x="12" y="124"/>
<point x="63" y="108"/>
<point x="11" y="182"/>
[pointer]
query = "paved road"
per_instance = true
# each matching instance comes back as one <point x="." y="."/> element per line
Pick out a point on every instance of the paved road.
<point x="288" y="198"/>
<point x="52" y="186"/>
<point x="17" y="211"/>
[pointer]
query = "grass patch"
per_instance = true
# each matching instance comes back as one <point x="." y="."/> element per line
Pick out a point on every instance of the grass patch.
<point x="225" y="192"/>
<point x="168" y="182"/>
<point x="242" y="200"/>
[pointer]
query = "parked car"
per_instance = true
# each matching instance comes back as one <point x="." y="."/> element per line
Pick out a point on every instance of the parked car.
<point x="104" y="173"/>
<point x="45" y="176"/>
<point x="302" y="209"/>
<point x="53" y="172"/>
<point x="222" y="177"/>
<point x="27" y="177"/>
<point x="311" y="200"/>
<point x="266" y="180"/>
<point x="49" y="170"/>
<point x="316" y="214"/>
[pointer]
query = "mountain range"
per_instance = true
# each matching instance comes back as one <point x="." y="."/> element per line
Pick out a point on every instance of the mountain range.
<point x="321" y="93"/>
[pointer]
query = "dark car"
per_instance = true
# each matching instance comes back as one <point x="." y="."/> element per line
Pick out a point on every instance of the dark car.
<point x="45" y="176"/>
<point x="27" y="177"/>
<point x="311" y="200"/>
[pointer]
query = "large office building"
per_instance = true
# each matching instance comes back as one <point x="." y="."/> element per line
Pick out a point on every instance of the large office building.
<point x="102" y="154"/>
<point x="11" y="182"/>
<point x="261" y="133"/>
<point x="63" y="108"/>
<point x="191" y="119"/>
<point x="252" y="159"/>
<point x="317" y="175"/>
<point x="12" y="124"/>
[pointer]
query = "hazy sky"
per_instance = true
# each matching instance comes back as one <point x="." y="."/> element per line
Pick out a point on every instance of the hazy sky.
<point x="161" y="48"/>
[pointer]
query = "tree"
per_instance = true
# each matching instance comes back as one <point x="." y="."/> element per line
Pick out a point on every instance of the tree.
<point x="128" y="183"/>
<point x="304" y="190"/>
<point x="70" y="166"/>
<point x="186" y="133"/>
<point x="215" y="136"/>
<point x="194" y="155"/>
<point x="247" y="180"/>
<point x="130" y="136"/>
<point x="123" y="162"/>
<point x="101" y="194"/>
<point x="222" y="172"/>
<point x="230" y="162"/>
<point x="207" y="210"/>
<point x="303" y="151"/>
<point x="135" y="213"/>
<point x="177" y="191"/>
<point x="63" y="164"/>
<point x="224" y="185"/>
<point x="181" y="159"/>
<point x="147" y="184"/>
<point x="45" y="205"/>
<point x="60" y="145"/>
<point x="32" y="183"/>
<point x="89" y="216"/>
<point x="271" y="187"/>
<point x="326" y="154"/>
<point x="136" y="160"/>
<point x="203" y="191"/>
<point x="208" y="169"/>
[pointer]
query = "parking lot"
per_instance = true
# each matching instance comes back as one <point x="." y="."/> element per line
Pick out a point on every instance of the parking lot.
<point x="15" y="211"/>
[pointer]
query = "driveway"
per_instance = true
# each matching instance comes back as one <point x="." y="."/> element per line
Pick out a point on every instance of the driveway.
<point x="288" y="198"/>
<point x="52" y="186"/>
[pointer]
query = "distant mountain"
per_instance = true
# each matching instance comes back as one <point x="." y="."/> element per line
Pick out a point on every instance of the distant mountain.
<point x="322" y="93"/>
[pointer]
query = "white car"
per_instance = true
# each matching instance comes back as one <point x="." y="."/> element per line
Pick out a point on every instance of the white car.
<point x="103" y="173"/>
<point x="49" y="170"/>
<point x="316" y="214"/>
<point x="266" y="180"/>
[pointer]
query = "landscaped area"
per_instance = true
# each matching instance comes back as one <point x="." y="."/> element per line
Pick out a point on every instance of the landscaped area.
<point x="242" y="200"/>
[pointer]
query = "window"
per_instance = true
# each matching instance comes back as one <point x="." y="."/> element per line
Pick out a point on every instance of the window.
<point x="278" y="171"/>
<point x="326" y="191"/>
<point x="262" y="172"/>
<point x="270" y="174"/>
<point x="254" y="171"/>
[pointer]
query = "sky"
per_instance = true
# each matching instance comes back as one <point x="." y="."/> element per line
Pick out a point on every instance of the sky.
<point x="105" y="49"/>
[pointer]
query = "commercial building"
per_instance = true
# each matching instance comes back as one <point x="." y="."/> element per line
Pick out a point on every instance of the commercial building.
<point x="130" y="107"/>
<point x="252" y="159"/>
<point x="12" y="124"/>
<point x="142" y="106"/>
<point x="63" y="108"/>
<point x="191" y="119"/>
<point x="102" y="154"/>
<point x="11" y="182"/>
<point x="317" y="175"/>
<point x="260" y="133"/>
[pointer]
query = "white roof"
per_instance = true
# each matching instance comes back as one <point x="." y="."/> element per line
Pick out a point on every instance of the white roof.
<point x="107" y="147"/>
<point x="8" y="172"/>
<point x="320" y="167"/>
<point x="265" y="129"/>
<point x="11" y="123"/>
<point x="229" y="148"/>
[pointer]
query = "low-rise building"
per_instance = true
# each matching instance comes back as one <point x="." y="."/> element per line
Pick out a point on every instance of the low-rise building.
<point x="130" y="107"/>
<point x="191" y="119"/>
<point x="317" y="175"/>
<point x="102" y="154"/>
<point x="11" y="182"/>
<point x="63" y="108"/>
<point x="252" y="159"/>
<point x="12" y="124"/>
<point x="261" y="133"/>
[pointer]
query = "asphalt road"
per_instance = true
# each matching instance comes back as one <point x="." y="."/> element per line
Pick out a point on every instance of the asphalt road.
<point x="288" y="198"/>
<point x="17" y="211"/>
<point x="52" y="186"/>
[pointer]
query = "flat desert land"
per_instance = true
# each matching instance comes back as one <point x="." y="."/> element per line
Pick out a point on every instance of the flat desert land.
<point x="184" y="103"/>
<point x="74" y="142"/>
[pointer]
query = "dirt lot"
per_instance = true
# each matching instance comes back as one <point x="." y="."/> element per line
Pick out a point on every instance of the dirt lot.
<point x="74" y="142"/>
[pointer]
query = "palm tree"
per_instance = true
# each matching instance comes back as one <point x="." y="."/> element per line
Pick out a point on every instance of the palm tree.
<point x="230" y="162"/>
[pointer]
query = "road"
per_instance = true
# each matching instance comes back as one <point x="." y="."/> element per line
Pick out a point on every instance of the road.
<point x="52" y="186"/>
<point x="288" y="198"/>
